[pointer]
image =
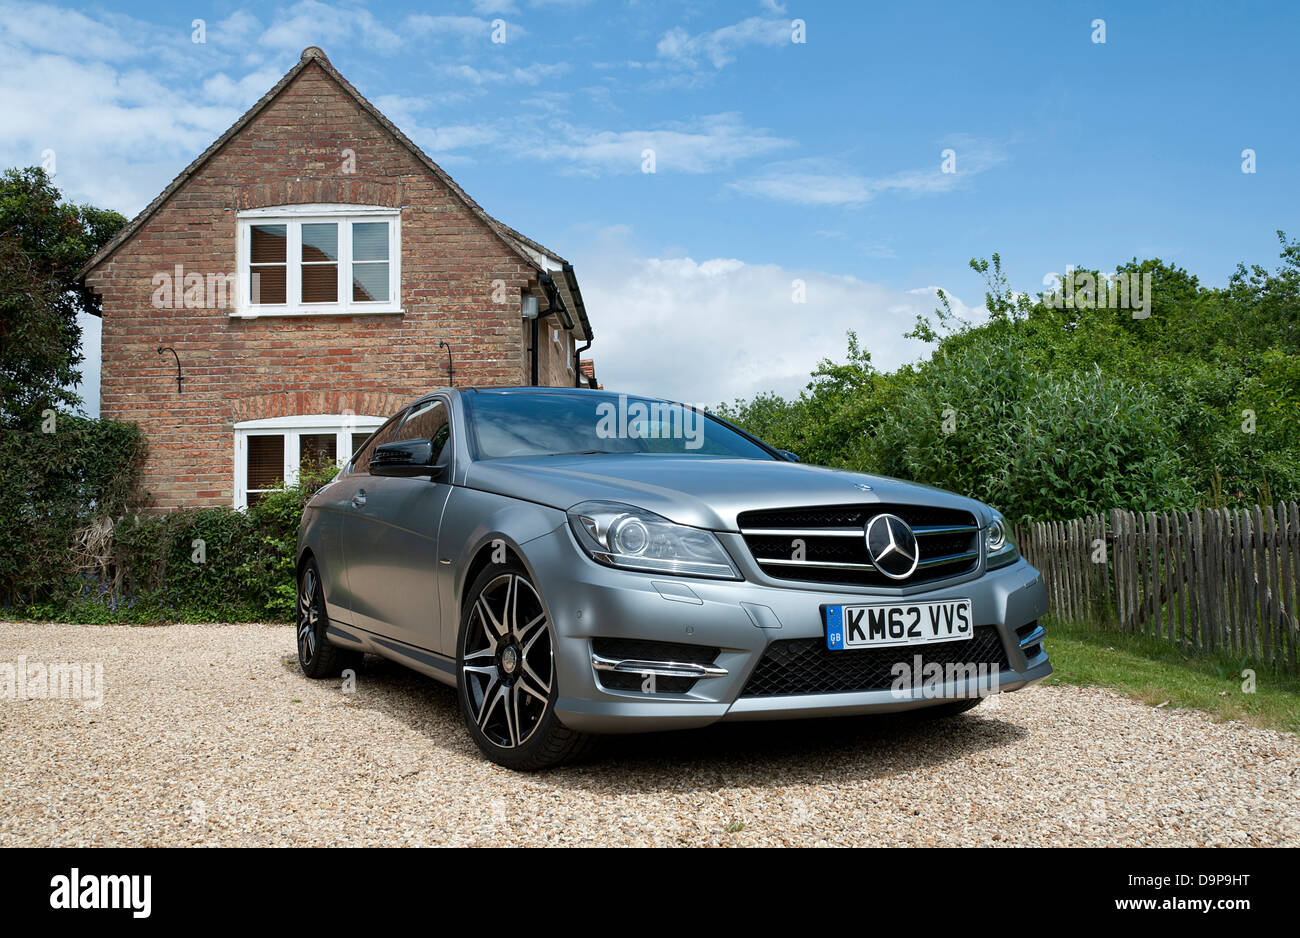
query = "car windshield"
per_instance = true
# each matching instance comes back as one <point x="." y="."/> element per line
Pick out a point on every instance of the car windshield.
<point x="520" y="423"/>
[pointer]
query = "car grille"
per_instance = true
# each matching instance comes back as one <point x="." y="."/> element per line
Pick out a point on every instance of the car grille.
<point x="835" y="548"/>
<point x="807" y="666"/>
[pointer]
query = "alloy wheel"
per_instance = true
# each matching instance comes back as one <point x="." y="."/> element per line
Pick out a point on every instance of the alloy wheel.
<point x="508" y="667"/>
<point x="308" y="615"/>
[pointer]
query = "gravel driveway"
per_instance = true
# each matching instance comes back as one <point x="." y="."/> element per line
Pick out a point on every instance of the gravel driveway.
<point x="208" y="734"/>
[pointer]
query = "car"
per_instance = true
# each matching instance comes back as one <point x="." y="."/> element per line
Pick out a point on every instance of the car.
<point x="577" y="562"/>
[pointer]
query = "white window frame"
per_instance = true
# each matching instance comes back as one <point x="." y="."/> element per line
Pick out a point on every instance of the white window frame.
<point x="292" y="429"/>
<point x="293" y="217"/>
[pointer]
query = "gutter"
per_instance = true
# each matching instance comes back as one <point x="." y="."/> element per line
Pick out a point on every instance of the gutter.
<point x="571" y="280"/>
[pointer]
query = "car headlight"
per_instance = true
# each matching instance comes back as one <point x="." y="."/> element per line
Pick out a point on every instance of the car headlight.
<point x="999" y="549"/>
<point x="631" y="538"/>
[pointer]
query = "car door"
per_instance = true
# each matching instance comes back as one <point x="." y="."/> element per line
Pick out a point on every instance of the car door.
<point x="338" y="514"/>
<point x="391" y="542"/>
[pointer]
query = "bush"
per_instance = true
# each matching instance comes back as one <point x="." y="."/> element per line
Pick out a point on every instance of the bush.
<point x="1060" y="410"/>
<point x="1037" y="446"/>
<point x="54" y="485"/>
<point x="200" y="564"/>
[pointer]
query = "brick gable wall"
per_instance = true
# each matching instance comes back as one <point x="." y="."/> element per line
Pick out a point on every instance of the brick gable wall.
<point x="292" y="152"/>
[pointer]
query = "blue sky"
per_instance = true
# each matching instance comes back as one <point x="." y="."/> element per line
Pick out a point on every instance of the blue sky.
<point x="775" y="160"/>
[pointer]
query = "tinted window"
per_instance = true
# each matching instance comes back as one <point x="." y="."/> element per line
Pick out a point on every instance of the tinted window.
<point x="519" y="423"/>
<point x="428" y="421"/>
<point x="385" y="434"/>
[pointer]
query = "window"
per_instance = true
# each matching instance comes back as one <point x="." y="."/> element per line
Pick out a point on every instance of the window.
<point x="428" y="421"/>
<point x="269" y="452"/>
<point x="386" y="434"/>
<point x="303" y="260"/>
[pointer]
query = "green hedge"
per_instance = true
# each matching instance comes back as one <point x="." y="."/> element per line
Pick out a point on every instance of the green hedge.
<point x="56" y="479"/>
<point x="74" y="553"/>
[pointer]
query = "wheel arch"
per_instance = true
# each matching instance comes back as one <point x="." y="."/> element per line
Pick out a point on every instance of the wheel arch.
<point x="483" y="559"/>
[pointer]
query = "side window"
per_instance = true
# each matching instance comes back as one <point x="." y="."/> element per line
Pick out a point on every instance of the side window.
<point x="385" y="434"/>
<point x="428" y="421"/>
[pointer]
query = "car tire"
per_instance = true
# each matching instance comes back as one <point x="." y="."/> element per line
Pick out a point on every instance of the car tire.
<point x="506" y="676"/>
<point x="316" y="656"/>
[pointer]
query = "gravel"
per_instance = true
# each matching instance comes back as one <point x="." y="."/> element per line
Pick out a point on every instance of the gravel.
<point x="208" y="735"/>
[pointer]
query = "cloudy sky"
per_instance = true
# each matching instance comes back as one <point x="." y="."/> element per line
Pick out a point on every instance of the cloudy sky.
<point x="775" y="161"/>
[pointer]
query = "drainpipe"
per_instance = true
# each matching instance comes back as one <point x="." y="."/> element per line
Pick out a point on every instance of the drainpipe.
<point x="533" y="352"/>
<point x="577" y="364"/>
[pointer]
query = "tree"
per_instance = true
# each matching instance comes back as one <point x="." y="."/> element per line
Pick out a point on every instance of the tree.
<point x="44" y="243"/>
<point x="1061" y="404"/>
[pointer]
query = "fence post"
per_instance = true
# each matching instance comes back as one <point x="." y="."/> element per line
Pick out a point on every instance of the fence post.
<point x="1115" y="554"/>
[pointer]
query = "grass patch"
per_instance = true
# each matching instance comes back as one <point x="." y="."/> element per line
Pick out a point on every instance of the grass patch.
<point x="1156" y="672"/>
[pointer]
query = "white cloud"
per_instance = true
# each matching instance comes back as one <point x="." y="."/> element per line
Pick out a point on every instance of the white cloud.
<point x="816" y="181"/>
<point x="490" y="7"/>
<point x="310" y="22"/>
<point x="240" y="92"/>
<point x="710" y="331"/>
<point x="719" y="46"/>
<point x="92" y="328"/>
<point x="462" y="27"/>
<point x="701" y="145"/>
<point x="525" y="75"/>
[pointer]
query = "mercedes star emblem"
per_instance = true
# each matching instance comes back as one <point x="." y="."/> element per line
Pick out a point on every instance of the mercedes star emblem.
<point x="892" y="546"/>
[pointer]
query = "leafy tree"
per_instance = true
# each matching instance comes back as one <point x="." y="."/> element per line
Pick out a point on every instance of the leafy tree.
<point x="1062" y="408"/>
<point x="44" y="242"/>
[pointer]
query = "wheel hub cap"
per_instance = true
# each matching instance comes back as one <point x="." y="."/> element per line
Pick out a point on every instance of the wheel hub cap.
<point x="509" y="660"/>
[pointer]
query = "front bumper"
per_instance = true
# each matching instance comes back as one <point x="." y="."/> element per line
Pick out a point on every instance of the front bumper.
<point x="588" y="601"/>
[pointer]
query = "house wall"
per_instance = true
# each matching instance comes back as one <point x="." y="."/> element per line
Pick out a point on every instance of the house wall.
<point x="238" y="369"/>
<point x="553" y="366"/>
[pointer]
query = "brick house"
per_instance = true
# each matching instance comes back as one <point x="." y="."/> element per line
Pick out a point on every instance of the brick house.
<point x="307" y="274"/>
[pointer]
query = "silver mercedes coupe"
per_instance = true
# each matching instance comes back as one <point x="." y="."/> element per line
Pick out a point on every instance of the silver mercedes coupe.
<point x="579" y="562"/>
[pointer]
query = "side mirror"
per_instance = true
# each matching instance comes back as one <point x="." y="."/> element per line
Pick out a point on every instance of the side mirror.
<point x="407" y="459"/>
<point x="789" y="456"/>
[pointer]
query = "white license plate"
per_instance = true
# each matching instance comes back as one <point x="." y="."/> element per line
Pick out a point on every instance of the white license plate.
<point x="885" y="624"/>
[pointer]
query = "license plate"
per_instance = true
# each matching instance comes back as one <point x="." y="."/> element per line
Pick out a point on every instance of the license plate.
<point x="885" y="624"/>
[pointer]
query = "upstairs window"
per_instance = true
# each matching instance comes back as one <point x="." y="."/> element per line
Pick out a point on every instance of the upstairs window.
<point x="319" y="260"/>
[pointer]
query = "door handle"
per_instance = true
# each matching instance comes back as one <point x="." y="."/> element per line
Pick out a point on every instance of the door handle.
<point x="359" y="499"/>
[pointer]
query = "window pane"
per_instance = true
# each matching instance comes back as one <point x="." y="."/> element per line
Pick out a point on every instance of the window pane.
<point x="358" y="440"/>
<point x="424" y="422"/>
<point x="266" y="284"/>
<point x="361" y="461"/>
<point x="320" y="242"/>
<point x="316" y="450"/>
<point x="370" y="241"/>
<point x="268" y="245"/>
<point x="265" y="461"/>
<point x="370" y="282"/>
<point x="320" y="283"/>
<point x="428" y="422"/>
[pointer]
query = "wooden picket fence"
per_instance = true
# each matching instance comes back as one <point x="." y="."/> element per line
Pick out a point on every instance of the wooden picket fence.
<point x="1214" y="579"/>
